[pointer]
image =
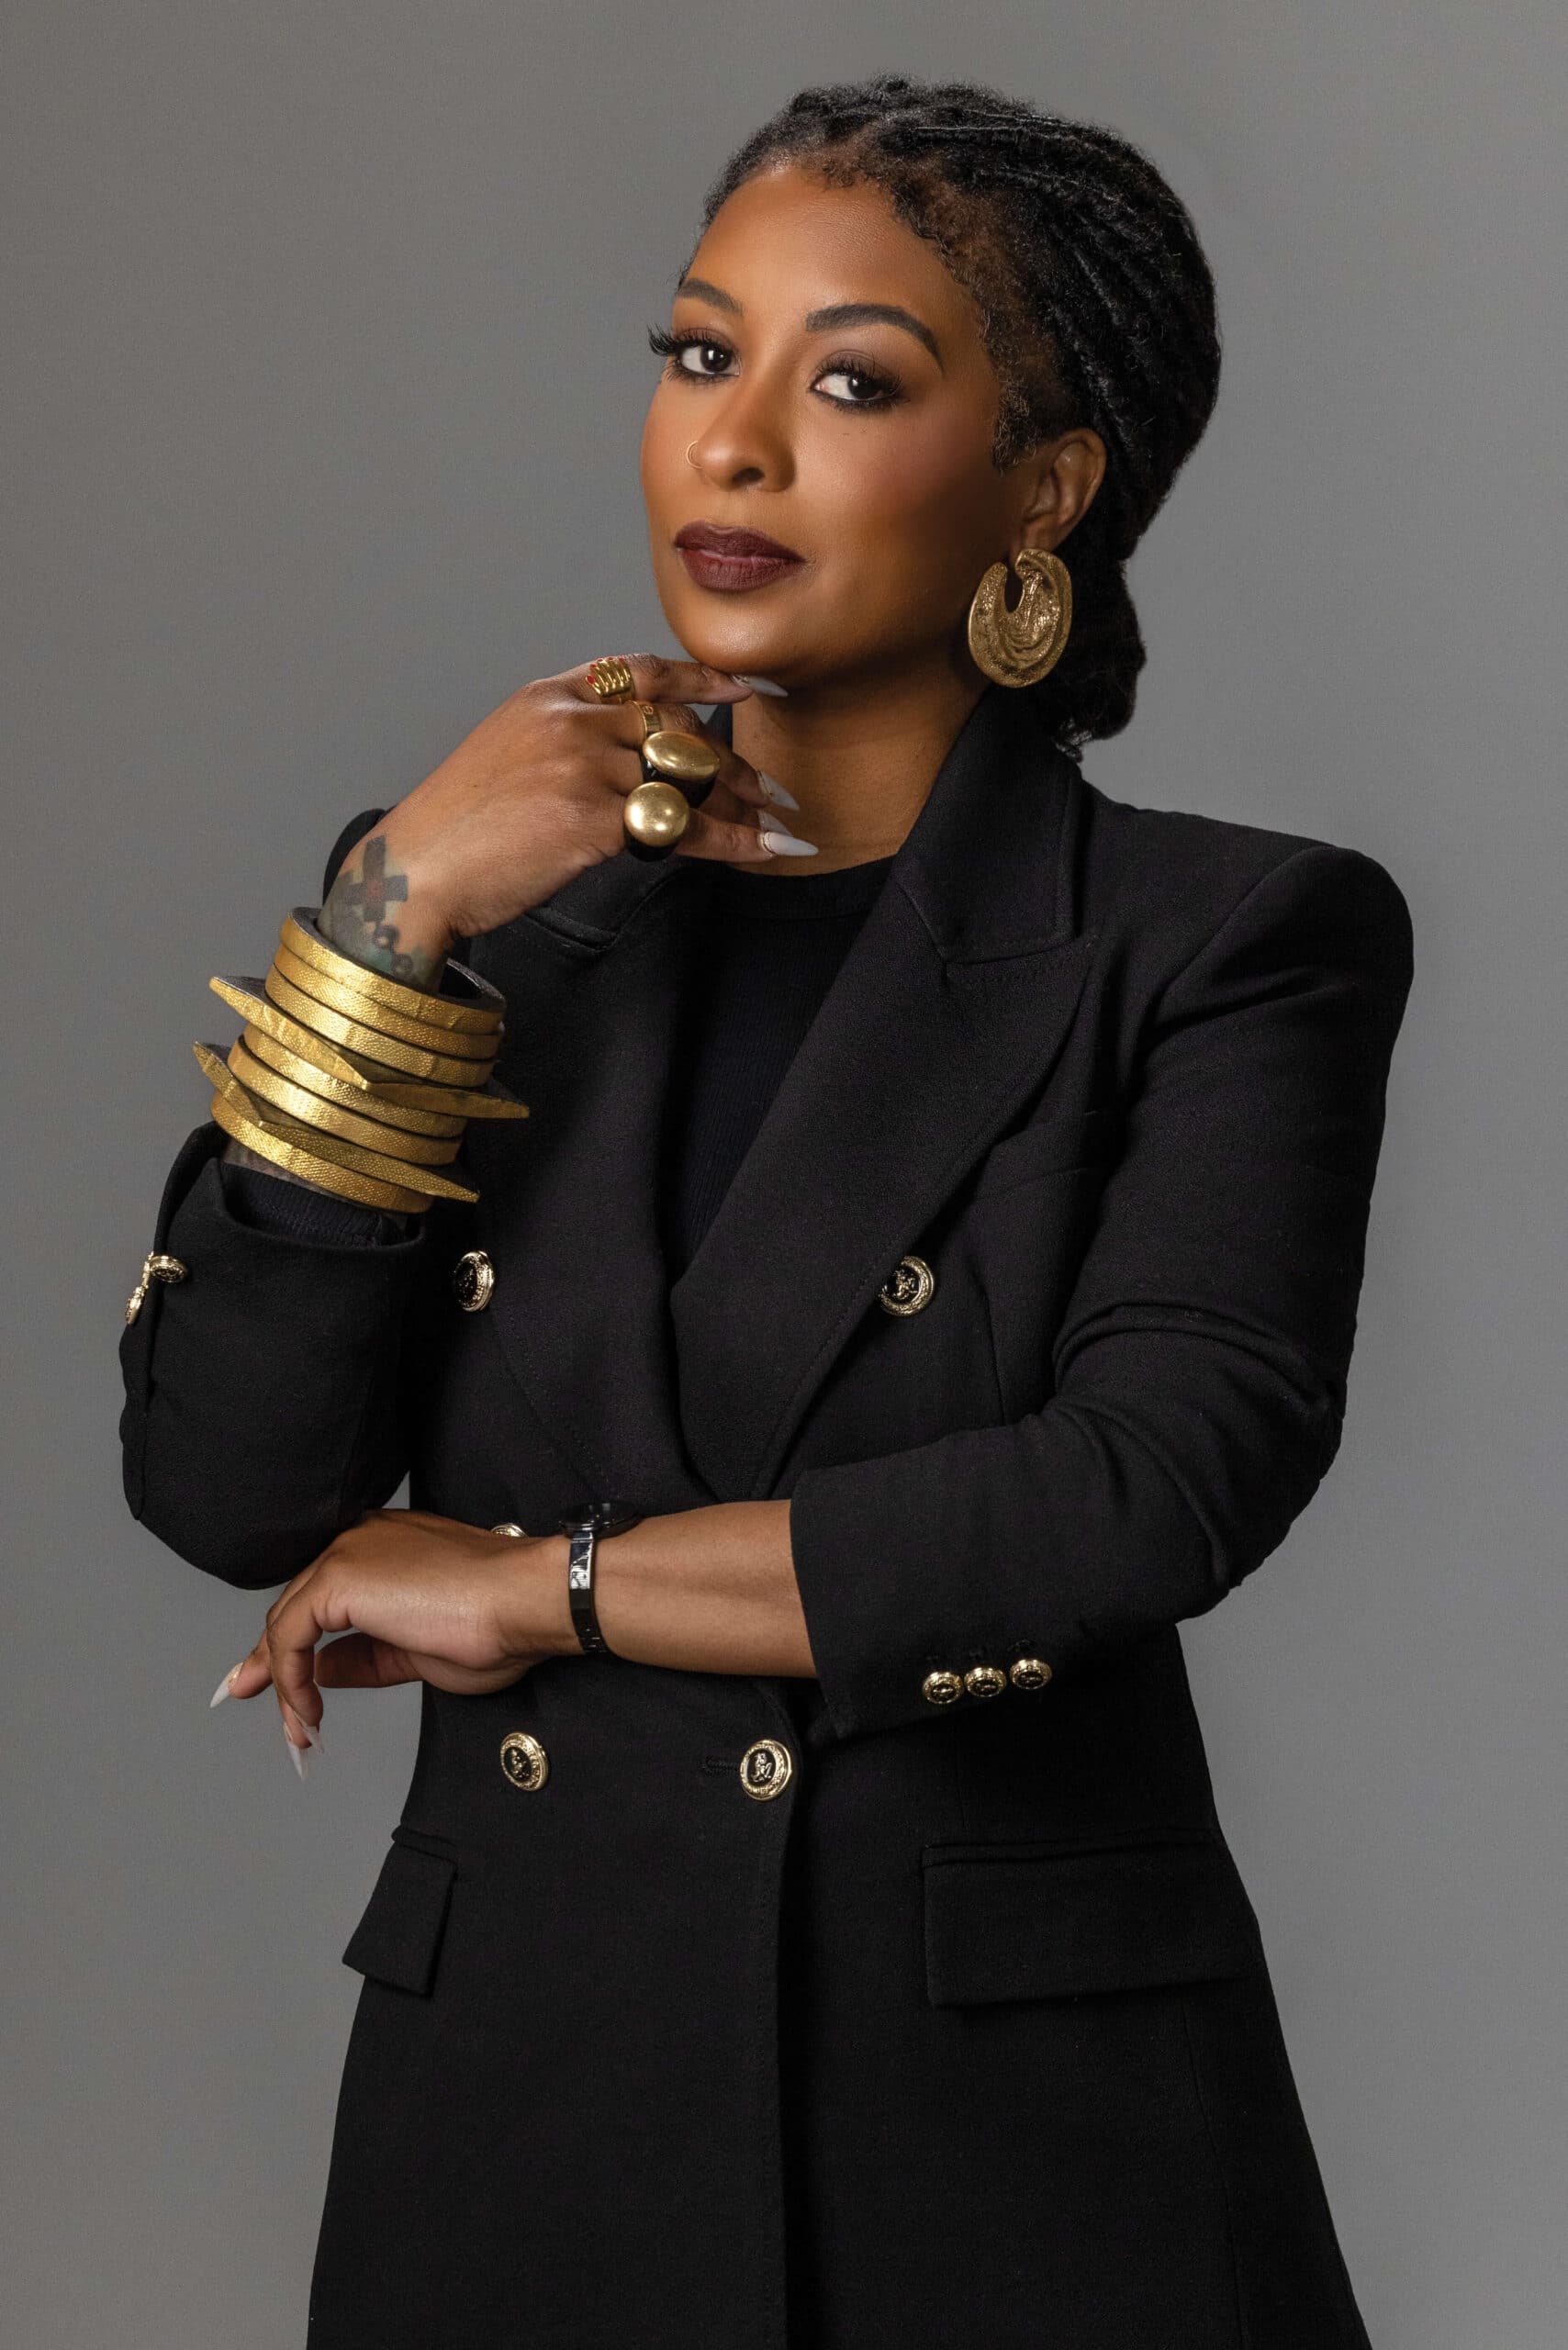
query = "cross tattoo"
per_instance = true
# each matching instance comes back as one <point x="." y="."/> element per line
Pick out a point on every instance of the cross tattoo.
<point x="369" y="898"/>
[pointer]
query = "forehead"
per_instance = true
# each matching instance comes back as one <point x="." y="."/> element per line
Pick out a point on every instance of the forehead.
<point x="785" y="238"/>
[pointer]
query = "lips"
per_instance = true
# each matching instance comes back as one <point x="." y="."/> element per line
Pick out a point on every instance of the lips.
<point x="711" y="538"/>
<point x="732" y="563"/>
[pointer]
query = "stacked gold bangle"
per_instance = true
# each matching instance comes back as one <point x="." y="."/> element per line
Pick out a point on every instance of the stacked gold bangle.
<point x="353" y="1080"/>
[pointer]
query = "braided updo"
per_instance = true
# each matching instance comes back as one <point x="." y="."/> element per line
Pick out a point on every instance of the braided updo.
<point x="1097" y="308"/>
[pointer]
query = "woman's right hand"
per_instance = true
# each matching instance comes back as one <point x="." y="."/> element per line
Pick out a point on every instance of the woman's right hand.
<point x="530" y="798"/>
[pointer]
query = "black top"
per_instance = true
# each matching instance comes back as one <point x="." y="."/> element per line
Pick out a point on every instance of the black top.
<point x="773" y="948"/>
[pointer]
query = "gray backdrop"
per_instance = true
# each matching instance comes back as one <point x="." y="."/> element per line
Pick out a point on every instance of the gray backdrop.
<point x="325" y="353"/>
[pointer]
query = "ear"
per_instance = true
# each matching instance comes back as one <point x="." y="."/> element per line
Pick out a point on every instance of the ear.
<point x="1058" y="481"/>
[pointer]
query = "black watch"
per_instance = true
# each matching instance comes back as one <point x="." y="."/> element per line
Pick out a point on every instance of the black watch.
<point x="584" y="1526"/>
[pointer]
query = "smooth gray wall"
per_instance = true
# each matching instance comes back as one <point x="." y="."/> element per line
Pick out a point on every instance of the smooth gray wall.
<point x="325" y="355"/>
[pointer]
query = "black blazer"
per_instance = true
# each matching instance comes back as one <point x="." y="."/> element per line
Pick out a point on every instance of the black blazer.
<point x="959" y="2030"/>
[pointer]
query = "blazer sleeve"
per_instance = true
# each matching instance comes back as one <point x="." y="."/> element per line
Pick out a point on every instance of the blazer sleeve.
<point x="261" y="1412"/>
<point x="1200" y="1368"/>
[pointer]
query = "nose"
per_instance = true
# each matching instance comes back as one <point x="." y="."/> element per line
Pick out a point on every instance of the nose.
<point x="744" y="440"/>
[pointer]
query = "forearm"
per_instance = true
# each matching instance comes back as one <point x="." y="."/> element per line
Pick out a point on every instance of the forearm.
<point x="708" y="1590"/>
<point x="261" y="1392"/>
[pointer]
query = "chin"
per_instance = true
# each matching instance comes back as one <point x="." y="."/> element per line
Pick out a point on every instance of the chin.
<point x="734" y="650"/>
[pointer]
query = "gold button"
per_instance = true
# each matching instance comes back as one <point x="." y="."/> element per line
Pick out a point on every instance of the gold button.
<point x="910" y="1285"/>
<point x="473" y="1279"/>
<point x="524" y="1760"/>
<point x="510" y="1528"/>
<point x="153" y="1269"/>
<point x="1031" y="1673"/>
<point x="985" y="1681"/>
<point x="767" y="1769"/>
<point x="941" y="1688"/>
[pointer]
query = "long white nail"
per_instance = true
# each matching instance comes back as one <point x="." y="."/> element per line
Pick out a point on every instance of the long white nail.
<point x="785" y="843"/>
<point x="762" y="685"/>
<point x="311" y="1737"/>
<point x="225" y="1687"/>
<point x="776" y="790"/>
<point x="298" y="1755"/>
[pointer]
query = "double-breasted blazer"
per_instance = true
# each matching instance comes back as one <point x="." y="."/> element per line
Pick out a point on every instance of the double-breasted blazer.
<point x="952" y="2022"/>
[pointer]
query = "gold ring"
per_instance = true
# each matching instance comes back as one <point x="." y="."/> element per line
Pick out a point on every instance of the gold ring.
<point x="654" y="816"/>
<point x="611" y="680"/>
<point x="680" y="756"/>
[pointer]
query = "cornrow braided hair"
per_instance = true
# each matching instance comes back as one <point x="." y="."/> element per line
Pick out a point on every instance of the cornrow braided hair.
<point x="1096" y="305"/>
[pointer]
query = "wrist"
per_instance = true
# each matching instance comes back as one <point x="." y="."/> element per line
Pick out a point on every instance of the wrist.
<point x="533" y="1606"/>
<point x="386" y="909"/>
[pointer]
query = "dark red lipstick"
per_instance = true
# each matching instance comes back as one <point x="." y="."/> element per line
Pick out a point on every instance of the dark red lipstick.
<point x="731" y="559"/>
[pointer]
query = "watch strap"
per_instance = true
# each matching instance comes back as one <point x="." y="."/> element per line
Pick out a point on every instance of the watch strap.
<point x="583" y="1528"/>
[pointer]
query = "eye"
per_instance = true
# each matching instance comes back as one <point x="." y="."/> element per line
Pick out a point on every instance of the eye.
<point x="878" y="389"/>
<point x="674" y="348"/>
<point x="884" y="390"/>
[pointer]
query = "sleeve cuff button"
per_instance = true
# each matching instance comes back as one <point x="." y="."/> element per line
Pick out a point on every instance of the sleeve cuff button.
<point x="941" y="1688"/>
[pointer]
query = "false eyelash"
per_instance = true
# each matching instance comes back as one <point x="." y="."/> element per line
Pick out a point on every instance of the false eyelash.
<point x="669" y="346"/>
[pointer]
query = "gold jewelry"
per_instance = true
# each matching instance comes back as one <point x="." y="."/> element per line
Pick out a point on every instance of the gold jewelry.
<point x="609" y="677"/>
<point x="336" y="1079"/>
<point x="373" y="1163"/>
<point x="301" y="935"/>
<point x="268" y="1144"/>
<point x="372" y="1081"/>
<point x="300" y="1071"/>
<point x="441" y="1067"/>
<point x="373" y="1014"/>
<point x="675" y="753"/>
<point x="461" y="1102"/>
<point x="654" y="816"/>
<point x="310" y="1110"/>
<point x="1018" y="648"/>
<point x="242" y="995"/>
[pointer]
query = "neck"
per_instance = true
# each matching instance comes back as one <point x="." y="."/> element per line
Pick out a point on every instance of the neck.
<point x="860" y="756"/>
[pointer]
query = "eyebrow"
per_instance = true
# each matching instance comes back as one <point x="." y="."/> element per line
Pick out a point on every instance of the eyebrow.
<point x="837" y="314"/>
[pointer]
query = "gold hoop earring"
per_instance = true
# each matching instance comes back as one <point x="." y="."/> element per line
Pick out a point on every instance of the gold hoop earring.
<point x="1017" y="648"/>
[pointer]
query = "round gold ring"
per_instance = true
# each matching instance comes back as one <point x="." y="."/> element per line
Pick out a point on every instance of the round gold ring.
<point x="654" y="816"/>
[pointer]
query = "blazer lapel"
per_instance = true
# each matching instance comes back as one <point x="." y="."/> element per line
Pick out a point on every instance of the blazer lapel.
<point x="946" y="1014"/>
<point x="568" y="1197"/>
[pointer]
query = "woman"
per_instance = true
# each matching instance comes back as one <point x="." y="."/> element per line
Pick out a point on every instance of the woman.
<point x="934" y="1240"/>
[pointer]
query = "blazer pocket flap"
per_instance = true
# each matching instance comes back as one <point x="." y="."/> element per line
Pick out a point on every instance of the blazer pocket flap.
<point x="1032" y="1921"/>
<point x="398" y="1938"/>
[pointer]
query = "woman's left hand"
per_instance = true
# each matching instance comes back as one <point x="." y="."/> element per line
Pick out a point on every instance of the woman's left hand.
<point x="417" y="1598"/>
